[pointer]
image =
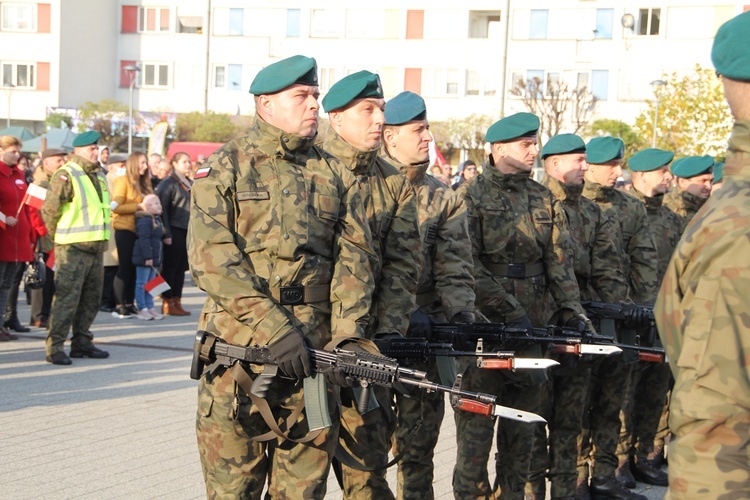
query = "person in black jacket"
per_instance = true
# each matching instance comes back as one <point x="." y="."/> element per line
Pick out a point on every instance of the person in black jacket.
<point x="174" y="194"/>
<point x="147" y="253"/>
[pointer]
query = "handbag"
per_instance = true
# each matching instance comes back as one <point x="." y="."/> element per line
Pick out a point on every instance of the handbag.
<point x="36" y="272"/>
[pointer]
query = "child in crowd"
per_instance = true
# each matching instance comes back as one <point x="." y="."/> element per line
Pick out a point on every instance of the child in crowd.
<point x="147" y="253"/>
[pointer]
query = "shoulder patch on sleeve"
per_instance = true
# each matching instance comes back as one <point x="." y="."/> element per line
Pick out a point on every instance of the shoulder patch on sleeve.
<point x="63" y="177"/>
<point x="202" y="172"/>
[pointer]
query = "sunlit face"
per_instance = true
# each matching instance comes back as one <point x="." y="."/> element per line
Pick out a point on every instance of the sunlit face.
<point x="517" y="156"/>
<point x="142" y="165"/>
<point x="90" y="152"/>
<point x="409" y="143"/>
<point x="10" y="155"/>
<point x="294" y="109"/>
<point x="104" y="156"/>
<point x="470" y="171"/>
<point x="53" y="163"/>
<point x="361" y="123"/>
<point x="605" y="174"/>
<point x="700" y="185"/>
<point x="658" y="181"/>
<point x="152" y="204"/>
<point x="182" y="165"/>
<point x="569" y="169"/>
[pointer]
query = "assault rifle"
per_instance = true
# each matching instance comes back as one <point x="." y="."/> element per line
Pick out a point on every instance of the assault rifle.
<point x="366" y="368"/>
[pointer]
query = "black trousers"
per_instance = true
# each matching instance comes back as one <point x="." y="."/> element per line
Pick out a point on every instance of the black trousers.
<point x="175" y="263"/>
<point x="124" y="283"/>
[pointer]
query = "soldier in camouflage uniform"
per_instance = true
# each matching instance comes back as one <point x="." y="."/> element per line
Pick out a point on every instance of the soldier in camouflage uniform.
<point x="278" y="240"/>
<point x="637" y="252"/>
<point x="703" y="310"/>
<point x="355" y="110"/>
<point x="599" y="274"/>
<point x="523" y="273"/>
<point x="641" y="414"/>
<point x="76" y="213"/>
<point x="694" y="177"/>
<point x="445" y="292"/>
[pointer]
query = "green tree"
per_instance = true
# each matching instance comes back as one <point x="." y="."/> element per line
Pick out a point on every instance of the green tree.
<point x="616" y="128"/>
<point x="56" y="120"/>
<point x="693" y="116"/>
<point x="211" y="127"/>
<point x="108" y="117"/>
<point x="462" y="134"/>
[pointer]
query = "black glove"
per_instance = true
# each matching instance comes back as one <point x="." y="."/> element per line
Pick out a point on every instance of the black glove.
<point x="291" y="354"/>
<point x="637" y="317"/>
<point x="420" y="325"/>
<point x="523" y="323"/>
<point x="463" y="318"/>
<point x="576" y="324"/>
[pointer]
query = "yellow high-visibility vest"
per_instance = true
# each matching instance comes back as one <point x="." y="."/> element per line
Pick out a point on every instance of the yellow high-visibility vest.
<point x="86" y="218"/>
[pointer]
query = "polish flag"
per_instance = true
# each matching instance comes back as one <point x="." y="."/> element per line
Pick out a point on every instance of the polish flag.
<point x="157" y="286"/>
<point x="2" y="221"/>
<point x="202" y="172"/>
<point x="51" y="260"/>
<point x="35" y="196"/>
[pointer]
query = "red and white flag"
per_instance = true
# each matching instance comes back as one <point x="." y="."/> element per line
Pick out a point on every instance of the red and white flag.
<point x="51" y="260"/>
<point x="202" y="172"/>
<point x="157" y="286"/>
<point x="3" y="225"/>
<point x="35" y="196"/>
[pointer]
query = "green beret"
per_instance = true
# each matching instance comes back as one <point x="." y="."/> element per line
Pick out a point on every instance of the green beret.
<point x="86" y="139"/>
<point x="563" y="144"/>
<point x="405" y="107"/>
<point x="649" y="159"/>
<point x="282" y="74"/>
<point x="718" y="171"/>
<point x="690" y="166"/>
<point x="603" y="149"/>
<point x="355" y="86"/>
<point x="730" y="53"/>
<point x="513" y="127"/>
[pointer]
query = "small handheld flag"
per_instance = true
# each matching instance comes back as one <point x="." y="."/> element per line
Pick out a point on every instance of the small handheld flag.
<point x="51" y="260"/>
<point x="3" y="225"/>
<point x="34" y="197"/>
<point x="157" y="286"/>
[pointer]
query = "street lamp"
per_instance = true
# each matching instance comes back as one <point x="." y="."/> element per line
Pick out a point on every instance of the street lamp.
<point x="8" y="90"/>
<point x="132" y="70"/>
<point x="655" y="86"/>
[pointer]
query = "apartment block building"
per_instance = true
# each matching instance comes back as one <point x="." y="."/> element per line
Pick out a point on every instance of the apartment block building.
<point x="463" y="57"/>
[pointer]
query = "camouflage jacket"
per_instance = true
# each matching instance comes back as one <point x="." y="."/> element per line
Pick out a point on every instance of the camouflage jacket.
<point x="595" y="258"/>
<point x="446" y="283"/>
<point x="391" y="209"/>
<point x="636" y="244"/>
<point x="276" y="211"/>
<point x="683" y="203"/>
<point x="703" y="306"/>
<point x="664" y="223"/>
<point x="515" y="220"/>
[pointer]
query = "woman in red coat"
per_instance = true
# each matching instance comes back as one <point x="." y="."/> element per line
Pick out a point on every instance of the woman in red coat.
<point x="16" y="234"/>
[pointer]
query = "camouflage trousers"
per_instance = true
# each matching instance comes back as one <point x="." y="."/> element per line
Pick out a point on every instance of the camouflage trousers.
<point x="474" y="437"/>
<point x="79" y="277"/>
<point x="640" y="415"/>
<point x="662" y="431"/>
<point x="563" y="404"/>
<point x="600" y="427"/>
<point x="367" y="438"/>
<point x="235" y="466"/>
<point x="417" y="444"/>
<point x="709" y="458"/>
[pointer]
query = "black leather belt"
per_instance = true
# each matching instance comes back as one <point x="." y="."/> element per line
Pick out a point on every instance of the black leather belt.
<point x="293" y="295"/>
<point x="517" y="271"/>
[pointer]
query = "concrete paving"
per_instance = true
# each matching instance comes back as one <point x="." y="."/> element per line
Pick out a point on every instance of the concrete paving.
<point x="122" y="427"/>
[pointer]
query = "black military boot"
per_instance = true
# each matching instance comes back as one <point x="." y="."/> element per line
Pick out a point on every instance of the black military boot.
<point x="646" y="472"/>
<point x="582" y="488"/>
<point x="90" y="351"/>
<point x="623" y="474"/>
<point x="16" y="325"/>
<point x="609" y="487"/>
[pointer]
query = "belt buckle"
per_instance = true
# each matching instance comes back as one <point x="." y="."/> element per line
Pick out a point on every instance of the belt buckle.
<point x="291" y="295"/>
<point x="516" y="270"/>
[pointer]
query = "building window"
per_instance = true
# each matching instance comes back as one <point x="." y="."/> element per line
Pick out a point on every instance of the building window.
<point x="190" y="24"/>
<point x="19" y="75"/>
<point x="552" y="85"/>
<point x="538" y="30"/>
<point x="19" y="16"/>
<point x="237" y="22"/>
<point x="327" y="79"/>
<point x="323" y="24"/>
<point x="480" y="22"/>
<point x="441" y="82"/>
<point x="600" y="84"/>
<point x="293" y="23"/>
<point x="582" y="81"/>
<point x="228" y="76"/>
<point x="472" y="82"/>
<point x="154" y="75"/>
<point x="649" y="21"/>
<point x="604" y="21"/>
<point x="153" y="19"/>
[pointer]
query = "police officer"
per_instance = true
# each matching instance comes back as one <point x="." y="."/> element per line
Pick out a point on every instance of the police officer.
<point x="445" y="292"/>
<point x="702" y="310"/>
<point x="355" y="107"/>
<point x="277" y="239"/>
<point x="641" y="414"/>
<point x="694" y="176"/>
<point x="76" y="213"/>
<point x="598" y="271"/>
<point x="637" y="252"/>
<point x="523" y="275"/>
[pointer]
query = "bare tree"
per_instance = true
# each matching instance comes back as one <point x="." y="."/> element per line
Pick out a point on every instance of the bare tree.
<point x="463" y="134"/>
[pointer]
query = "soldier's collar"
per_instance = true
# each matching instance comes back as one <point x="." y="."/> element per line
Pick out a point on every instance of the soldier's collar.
<point x="652" y="202"/>
<point x="562" y="191"/>
<point x="276" y="142"/>
<point x="356" y="160"/>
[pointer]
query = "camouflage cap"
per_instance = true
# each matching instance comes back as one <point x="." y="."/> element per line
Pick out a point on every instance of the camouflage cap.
<point x="563" y="144"/>
<point x="649" y="159"/>
<point x="718" y="171"/>
<point x="512" y="127"/>
<point x="86" y="139"/>
<point x="405" y="107"/>
<point x="603" y="149"/>
<point x="282" y="74"/>
<point x="729" y="53"/>
<point x="355" y="86"/>
<point x="690" y="166"/>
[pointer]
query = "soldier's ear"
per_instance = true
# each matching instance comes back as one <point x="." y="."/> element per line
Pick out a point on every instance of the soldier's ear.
<point x="389" y="136"/>
<point x="265" y="104"/>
